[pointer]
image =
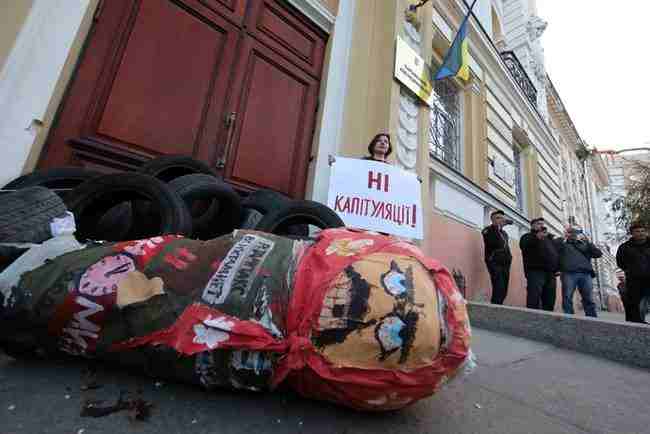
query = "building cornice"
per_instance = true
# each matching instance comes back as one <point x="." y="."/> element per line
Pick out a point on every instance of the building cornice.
<point x="485" y="52"/>
<point x="568" y="128"/>
<point x="600" y="169"/>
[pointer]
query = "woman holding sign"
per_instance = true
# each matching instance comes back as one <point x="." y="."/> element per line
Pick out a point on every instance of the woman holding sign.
<point x="369" y="196"/>
<point x="379" y="148"/>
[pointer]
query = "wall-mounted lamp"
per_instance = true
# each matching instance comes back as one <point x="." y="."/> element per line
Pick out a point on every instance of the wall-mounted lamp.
<point x="414" y="8"/>
<point x="412" y="13"/>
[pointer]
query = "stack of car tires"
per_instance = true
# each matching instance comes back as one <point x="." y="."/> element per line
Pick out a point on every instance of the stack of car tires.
<point x="167" y="195"/>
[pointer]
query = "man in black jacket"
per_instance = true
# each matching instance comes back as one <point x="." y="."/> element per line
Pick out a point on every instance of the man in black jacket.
<point x="540" y="259"/>
<point x="633" y="257"/>
<point x="497" y="256"/>
<point x="577" y="270"/>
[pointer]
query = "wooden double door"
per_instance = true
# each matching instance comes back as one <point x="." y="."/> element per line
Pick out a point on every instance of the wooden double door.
<point x="233" y="83"/>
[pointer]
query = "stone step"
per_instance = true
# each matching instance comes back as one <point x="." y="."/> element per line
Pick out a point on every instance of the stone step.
<point x="622" y="342"/>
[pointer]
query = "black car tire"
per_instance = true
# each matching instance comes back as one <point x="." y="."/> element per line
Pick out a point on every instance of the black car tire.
<point x="250" y="218"/>
<point x="303" y="212"/>
<point x="25" y="215"/>
<point x="92" y="199"/>
<point x="266" y="201"/>
<point x="58" y="178"/>
<point x="224" y="209"/>
<point x="69" y="178"/>
<point x="170" y="167"/>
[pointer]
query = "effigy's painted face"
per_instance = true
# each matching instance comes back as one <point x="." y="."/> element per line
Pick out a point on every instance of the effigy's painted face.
<point x="381" y="312"/>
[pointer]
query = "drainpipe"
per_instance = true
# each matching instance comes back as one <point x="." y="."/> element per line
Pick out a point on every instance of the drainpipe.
<point x="593" y="230"/>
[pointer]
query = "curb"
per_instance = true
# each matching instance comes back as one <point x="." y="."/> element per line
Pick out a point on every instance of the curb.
<point x="621" y="342"/>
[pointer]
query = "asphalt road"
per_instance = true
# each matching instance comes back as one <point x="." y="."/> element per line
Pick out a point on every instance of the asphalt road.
<point x="520" y="387"/>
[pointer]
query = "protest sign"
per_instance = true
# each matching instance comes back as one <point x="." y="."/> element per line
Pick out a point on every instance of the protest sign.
<point x="376" y="196"/>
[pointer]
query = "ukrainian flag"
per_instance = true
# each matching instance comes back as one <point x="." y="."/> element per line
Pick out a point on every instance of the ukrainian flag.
<point x="456" y="63"/>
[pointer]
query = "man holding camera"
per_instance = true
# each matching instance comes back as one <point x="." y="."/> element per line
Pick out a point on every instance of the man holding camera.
<point x="541" y="264"/>
<point x="497" y="255"/>
<point x="633" y="257"/>
<point x="576" y="254"/>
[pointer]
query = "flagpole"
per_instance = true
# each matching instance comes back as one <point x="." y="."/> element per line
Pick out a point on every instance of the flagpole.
<point x="478" y="21"/>
<point x="470" y="8"/>
<point x="469" y="12"/>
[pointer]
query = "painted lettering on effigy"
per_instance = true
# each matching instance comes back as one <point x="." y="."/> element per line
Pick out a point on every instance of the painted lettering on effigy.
<point x="81" y="333"/>
<point x="238" y="269"/>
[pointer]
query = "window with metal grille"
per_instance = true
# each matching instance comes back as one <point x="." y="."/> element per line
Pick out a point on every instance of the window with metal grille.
<point x="444" y="130"/>
<point x="519" y="179"/>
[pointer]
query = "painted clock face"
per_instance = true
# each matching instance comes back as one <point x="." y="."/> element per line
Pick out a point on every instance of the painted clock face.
<point x="103" y="277"/>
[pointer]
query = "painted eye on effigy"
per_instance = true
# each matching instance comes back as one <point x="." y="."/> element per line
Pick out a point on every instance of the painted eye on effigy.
<point x="396" y="333"/>
<point x="388" y="334"/>
<point x="395" y="282"/>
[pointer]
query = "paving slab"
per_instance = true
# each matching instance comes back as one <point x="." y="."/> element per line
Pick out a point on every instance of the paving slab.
<point x="520" y="386"/>
<point x="621" y="342"/>
<point x="494" y="349"/>
<point x="590" y="393"/>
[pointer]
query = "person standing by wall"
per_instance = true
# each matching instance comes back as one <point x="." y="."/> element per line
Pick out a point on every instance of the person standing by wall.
<point x="379" y="148"/>
<point x="498" y="257"/>
<point x="541" y="263"/>
<point x="633" y="257"/>
<point x="576" y="254"/>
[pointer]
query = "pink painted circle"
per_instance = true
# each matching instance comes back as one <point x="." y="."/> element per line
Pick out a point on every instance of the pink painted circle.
<point x="102" y="277"/>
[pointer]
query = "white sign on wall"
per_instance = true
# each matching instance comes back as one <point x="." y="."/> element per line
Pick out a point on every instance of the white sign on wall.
<point x="412" y="72"/>
<point x="503" y="170"/>
<point x="376" y="196"/>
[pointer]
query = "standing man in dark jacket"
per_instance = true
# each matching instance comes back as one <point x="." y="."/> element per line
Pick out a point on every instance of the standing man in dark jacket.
<point x="633" y="257"/>
<point x="497" y="256"/>
<point x="540" y="259"/>
<point x="577" y="270"/>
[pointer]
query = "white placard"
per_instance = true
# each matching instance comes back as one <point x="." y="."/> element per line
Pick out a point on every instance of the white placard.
<point x="376" y="196"/>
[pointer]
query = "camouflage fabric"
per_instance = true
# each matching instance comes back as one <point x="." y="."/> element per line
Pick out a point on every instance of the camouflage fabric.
<point x="85" y="301"/>
<point x="354" y="317"/>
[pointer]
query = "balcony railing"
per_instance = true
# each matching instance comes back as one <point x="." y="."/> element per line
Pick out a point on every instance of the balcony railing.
<point x="519" y="74"/>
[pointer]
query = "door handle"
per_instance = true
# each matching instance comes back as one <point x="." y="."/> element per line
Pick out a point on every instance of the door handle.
<point x="229" y="123"/>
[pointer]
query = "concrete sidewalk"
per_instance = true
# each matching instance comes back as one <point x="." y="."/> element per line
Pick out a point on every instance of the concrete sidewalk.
<point x="620" y="342"/>
<point x="520" y="386"/>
